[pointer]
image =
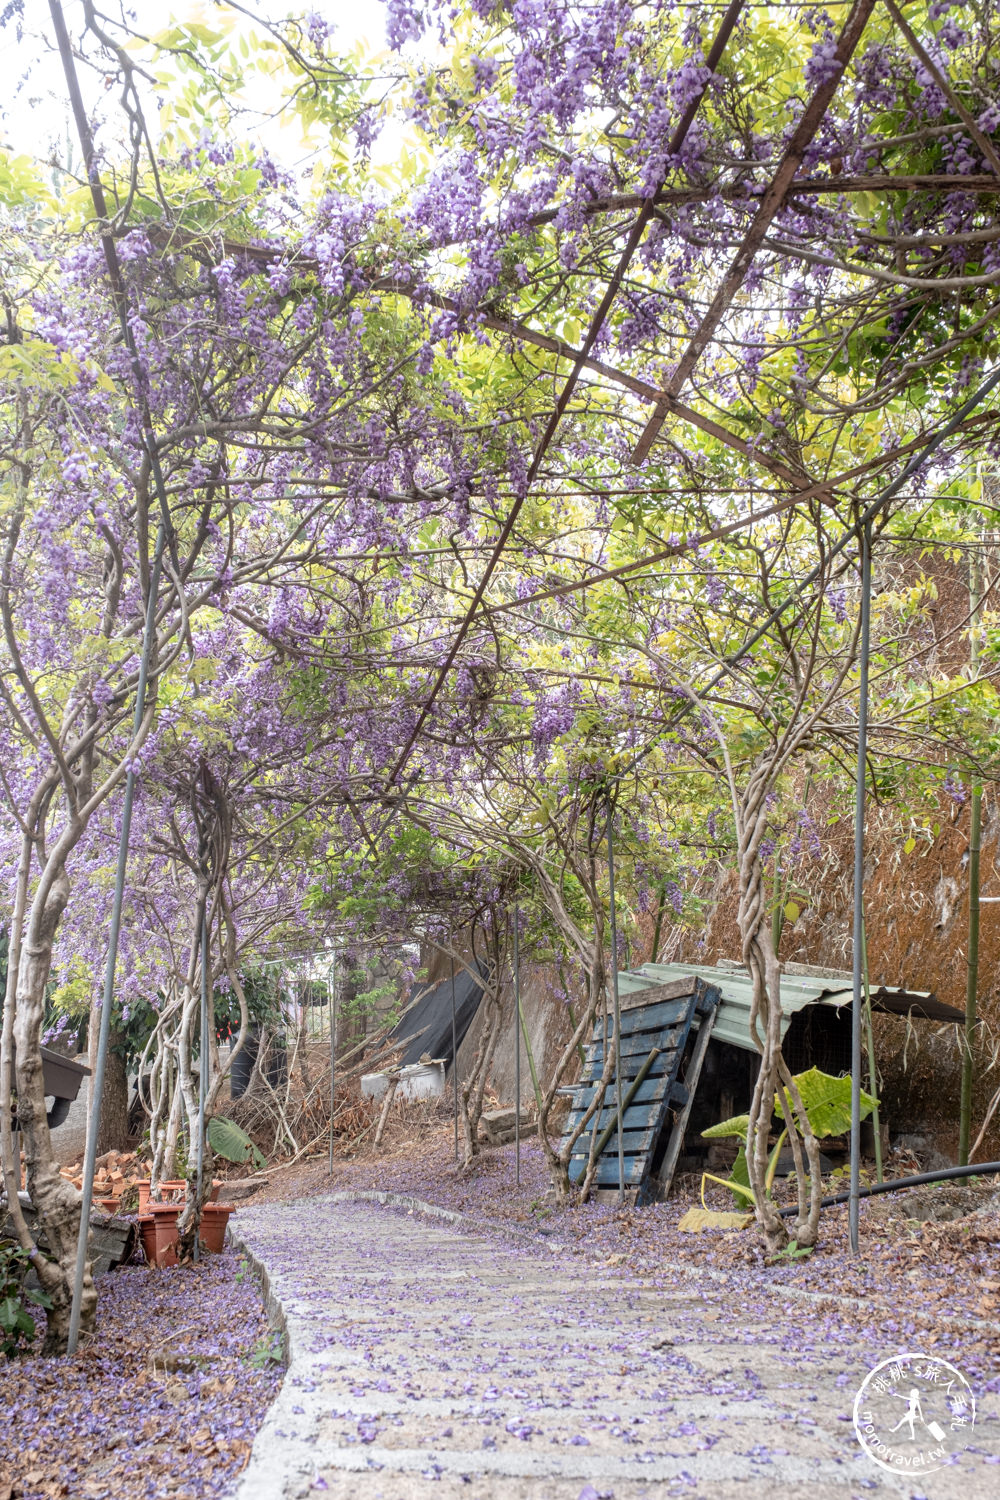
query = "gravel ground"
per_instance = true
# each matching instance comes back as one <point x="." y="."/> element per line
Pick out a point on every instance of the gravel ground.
<point x="165" y="1400"/>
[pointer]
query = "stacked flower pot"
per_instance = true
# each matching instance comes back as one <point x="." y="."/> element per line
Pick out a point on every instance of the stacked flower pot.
<point x="158" y="1222"/>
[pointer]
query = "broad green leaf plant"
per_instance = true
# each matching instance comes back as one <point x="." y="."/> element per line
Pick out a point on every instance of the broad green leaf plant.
<point x="827" y="1102"/>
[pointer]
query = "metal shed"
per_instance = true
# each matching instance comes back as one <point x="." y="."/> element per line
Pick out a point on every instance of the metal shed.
<point x="800" y="987"/>
<point x="816" y="1008"/>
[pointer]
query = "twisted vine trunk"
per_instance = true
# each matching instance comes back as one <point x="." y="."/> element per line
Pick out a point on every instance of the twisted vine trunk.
<point x="473" y="1087"/>
<point x="754" y="920"/>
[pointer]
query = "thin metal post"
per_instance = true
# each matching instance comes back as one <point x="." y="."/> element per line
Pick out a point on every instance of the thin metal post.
<point x="975" y="842"/>
<point x="163" y="537"/>
<point x="859" y="880"/>
<point x="107" y="997"/>
<point x="617" y="1008"/>
<point x="870" y="1049"/>
<point x="331" y="985"/>
<point x="517" y="1049"/>
<point x="454" y="1051"/>
<point x="202" y="1067"/>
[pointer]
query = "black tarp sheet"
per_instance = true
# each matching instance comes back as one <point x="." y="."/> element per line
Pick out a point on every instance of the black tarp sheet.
<point x="426" y="1025"/>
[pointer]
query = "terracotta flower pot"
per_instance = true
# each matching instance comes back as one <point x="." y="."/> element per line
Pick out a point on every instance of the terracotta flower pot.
<point x="167" y="1190"/>
<point x="170" y="1190"/>
<point x="158" y="1227"/>
<point x="110" y="1205"/>
<point x="214" y="1218"/>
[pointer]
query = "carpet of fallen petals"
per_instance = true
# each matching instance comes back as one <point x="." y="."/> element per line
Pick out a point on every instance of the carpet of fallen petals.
<point x="163" y="1401"/>
<point x="936" y="1284"/>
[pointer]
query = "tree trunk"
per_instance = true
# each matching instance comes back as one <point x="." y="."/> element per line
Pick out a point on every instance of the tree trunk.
<point x="57" y="1202"/>
<point x="757" y="939"/>
<point x="112" y="1128"/>
<point x="472" y="1088"/>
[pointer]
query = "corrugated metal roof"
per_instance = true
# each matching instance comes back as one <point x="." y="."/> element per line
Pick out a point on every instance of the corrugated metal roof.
<point x="732" y="1022"/>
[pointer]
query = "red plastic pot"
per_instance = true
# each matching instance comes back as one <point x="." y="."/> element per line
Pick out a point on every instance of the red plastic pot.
<point x="214" y="1218"/>
<point x="158" y="1228"/>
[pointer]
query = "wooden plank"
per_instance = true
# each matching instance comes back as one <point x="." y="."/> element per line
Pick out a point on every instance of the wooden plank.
<point x="633" y="1141"/>
<point x="636" y="1117"/>
<point x="692" y="1073"/>
<point x="634" y="1049"/>
<point x="648" y="1018"/>
<point x="649" y="1089"/>
<point x="657" y="992"/>
<point x="660" y="1067"/>
<point x="660" y="1018"/>
<point x="610" y="1195"/>
<point x="607" y="1170"/>
<point x="638" y="1109"/>
<point x="709" y="1000"/>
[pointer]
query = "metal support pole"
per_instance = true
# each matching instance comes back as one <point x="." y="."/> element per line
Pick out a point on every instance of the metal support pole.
<point x="971" y="975"/>
<point x="517" y="1049"/>
<point x="163" y="537"/>
<point x="975" y="843"/>
<point x="107" y="997"/>
<point x="331" y="985"/>
<point x="617" y="1008"/>
<point x="454" y="1051"/>
<point x="202" y="1067"/>
<point x="859" y="881"/>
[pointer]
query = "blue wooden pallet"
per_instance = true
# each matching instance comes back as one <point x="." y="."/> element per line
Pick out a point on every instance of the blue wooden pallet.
<point x="663" y="1099"/>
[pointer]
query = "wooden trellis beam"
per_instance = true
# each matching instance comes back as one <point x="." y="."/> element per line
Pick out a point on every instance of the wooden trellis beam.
<point x="771" y="201"/>
<point x="980" y="137"/>
<point x="596" y="324"/>
<point x="872" y="182"/>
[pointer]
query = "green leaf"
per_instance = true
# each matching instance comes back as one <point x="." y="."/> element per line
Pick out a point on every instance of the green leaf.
<point x="794" y="1251"/>
<point x="738" y="1126"/>
<point x="827" y="1102"/>
<point x="909" y="846"/>
<point x="10" y="1312"/>
<point x="791" y="910"/>
<point x="227" y="1140"/>
<point x="740" y="1176"/>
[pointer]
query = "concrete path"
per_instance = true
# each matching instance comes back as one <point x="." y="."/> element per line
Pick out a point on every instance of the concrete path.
<point x="428" y="1364"/>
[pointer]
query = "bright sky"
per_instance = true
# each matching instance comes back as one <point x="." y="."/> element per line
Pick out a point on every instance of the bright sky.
<point x="34" y="115"/>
